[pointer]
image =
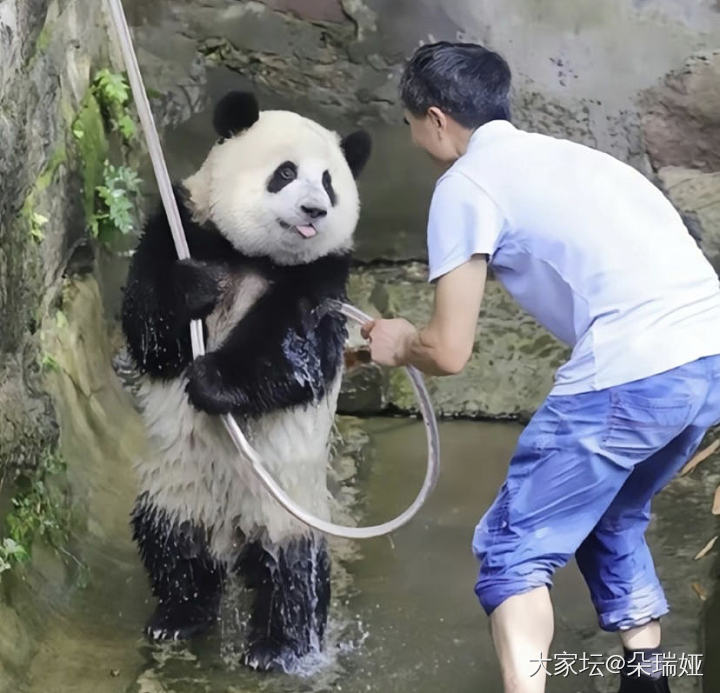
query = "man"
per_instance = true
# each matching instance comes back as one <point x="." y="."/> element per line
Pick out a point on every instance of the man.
<point x="598" y="255"/>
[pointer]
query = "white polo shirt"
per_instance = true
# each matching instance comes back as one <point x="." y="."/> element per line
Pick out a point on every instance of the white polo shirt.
<point x="587" y="245"/>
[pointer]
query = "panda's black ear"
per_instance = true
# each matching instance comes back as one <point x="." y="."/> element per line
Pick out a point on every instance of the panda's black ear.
<point x="235" y="112"/>
<point x="357" y="148"/>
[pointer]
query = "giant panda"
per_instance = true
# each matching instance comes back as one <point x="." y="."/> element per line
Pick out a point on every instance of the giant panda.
<point x="269" y="219"/>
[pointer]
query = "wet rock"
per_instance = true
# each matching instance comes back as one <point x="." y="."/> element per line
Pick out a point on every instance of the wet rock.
<point x="287" y="56"/>
<point x="682" y="116"/>
<point x="95" y="412"/>
<point x="536" y="112"/>
<point x="364" y="391"/>
<point x="312" y="10"/>
<point x="365" y="17"/>
<point x="299" y="49"/>
<point x="27" y="426"/>
<point x="698" y="195"/>
<point x="509" y="374"/>
<point x="15" y="647"/>
<point x="177" y="93"/>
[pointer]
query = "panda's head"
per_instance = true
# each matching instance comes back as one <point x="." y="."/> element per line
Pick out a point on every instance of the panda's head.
<point x="279" y="185"/>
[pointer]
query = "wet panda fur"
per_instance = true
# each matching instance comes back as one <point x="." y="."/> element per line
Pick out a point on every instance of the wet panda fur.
<point x="269" y="219"/>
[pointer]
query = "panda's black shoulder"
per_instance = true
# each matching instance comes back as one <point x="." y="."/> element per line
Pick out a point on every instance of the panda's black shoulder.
<point x="204" y="240"/>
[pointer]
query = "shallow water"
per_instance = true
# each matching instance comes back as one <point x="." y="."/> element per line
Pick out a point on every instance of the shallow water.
<point x="404" y="616"/>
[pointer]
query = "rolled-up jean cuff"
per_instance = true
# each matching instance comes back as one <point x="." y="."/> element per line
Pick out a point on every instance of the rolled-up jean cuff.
<point x="632" y="610"/>
<point x="491" y="593"/>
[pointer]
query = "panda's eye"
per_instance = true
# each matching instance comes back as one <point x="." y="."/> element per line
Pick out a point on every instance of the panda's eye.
<point x="284" y="174"/>
<point x="329" y="189"/>
<point x="288" y="172"/>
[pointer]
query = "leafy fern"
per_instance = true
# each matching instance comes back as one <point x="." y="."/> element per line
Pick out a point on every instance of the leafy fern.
<point x="113" y="94"/>
<point x="113" y="213"/>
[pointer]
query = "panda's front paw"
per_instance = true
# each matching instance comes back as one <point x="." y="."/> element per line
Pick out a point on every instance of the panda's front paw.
<point x="208" y="391"/>
<point x="199" y="284"/>
<point x="269" y="655"/>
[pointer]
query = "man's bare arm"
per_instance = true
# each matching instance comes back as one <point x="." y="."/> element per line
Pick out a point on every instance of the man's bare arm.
<point x="445" y="345"/>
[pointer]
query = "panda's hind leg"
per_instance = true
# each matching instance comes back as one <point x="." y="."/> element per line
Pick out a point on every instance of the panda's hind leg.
<point x="292" y="595"/>
<point x="185" y="578"/>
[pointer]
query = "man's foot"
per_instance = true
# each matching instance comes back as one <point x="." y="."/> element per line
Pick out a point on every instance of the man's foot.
<point x="643" y="684"/>
<point x="643" y="672"/>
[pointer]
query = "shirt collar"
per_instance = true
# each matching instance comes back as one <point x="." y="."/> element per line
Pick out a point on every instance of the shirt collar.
<point x="489" y="131"/>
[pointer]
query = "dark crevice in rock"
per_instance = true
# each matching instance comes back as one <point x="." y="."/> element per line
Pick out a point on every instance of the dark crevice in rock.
<point x="386" y="262"/>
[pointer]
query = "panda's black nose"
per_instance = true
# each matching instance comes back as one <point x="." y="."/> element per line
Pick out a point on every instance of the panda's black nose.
<point x="314" y="212"/>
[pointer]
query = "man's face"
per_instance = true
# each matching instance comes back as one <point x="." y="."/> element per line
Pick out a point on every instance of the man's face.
<point x="427" y="132"/>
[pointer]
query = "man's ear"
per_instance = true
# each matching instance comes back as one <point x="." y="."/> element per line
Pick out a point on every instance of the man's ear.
<point x="357" y="148"/>
<point x="235" y="112"/>
<point x="437" y="117"/>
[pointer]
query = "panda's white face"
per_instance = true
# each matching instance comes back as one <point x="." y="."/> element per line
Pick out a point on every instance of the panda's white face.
<point x="281" y="189"/>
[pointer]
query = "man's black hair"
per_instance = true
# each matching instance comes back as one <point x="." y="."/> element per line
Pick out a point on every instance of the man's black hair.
<point x="466" y="81"/>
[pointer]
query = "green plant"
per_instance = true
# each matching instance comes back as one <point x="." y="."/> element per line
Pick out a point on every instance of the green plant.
<point x="113" y="208"/>
<point x="49" y="362"/>
<point x="11" y="553"/>
<point x="39" y="509"/>
<point x="113" y="94"/>
<point x="37" y="222"/>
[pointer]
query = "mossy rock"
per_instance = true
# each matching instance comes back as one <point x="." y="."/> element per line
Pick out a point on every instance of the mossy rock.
<point x="89" y="133"/>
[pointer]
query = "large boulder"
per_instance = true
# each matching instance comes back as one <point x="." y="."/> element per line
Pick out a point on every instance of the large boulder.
<point x="682" y="116"/>
<point x="697" y="195"/>
<point x="312" y="10"/>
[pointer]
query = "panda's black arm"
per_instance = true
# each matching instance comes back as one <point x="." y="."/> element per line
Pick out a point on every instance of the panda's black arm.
<point x="285" y="352"/>
<point x="162" y="295"/>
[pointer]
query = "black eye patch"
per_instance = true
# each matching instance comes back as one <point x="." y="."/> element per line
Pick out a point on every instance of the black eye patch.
<point x="284" y="174"/>
<point x="327" y="184"/>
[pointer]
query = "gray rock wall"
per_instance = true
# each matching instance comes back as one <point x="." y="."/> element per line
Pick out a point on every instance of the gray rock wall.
<point x="579" y="67"/>
<point x="49" y="53"/>
<point x="48" y="49"/>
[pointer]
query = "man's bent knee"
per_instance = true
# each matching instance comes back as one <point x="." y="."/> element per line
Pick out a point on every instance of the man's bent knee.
<point x="493" y="588"/>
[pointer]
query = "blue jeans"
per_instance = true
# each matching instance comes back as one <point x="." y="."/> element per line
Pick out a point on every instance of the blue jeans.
<point x="581" y="481"/>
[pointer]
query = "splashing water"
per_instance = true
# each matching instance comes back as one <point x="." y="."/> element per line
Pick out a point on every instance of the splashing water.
<point x="303" y="353"/>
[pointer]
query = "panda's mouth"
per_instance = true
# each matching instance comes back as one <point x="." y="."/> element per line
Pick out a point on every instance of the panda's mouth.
<point x="306" y="231"/>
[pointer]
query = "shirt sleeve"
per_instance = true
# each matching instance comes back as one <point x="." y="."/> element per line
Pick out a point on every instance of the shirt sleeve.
<point x="463" y="221"/>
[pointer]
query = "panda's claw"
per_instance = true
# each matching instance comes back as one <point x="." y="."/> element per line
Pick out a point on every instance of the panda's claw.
<point x="270" y="656"/>
<point x="183" y="622"/>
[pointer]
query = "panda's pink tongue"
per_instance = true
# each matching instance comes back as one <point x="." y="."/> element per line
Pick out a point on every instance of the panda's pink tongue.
<point x="307" y="231"/>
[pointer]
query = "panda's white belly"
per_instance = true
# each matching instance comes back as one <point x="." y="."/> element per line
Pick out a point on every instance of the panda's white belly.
<point x="195" y="473"/>
<point x="239" y="293"/>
